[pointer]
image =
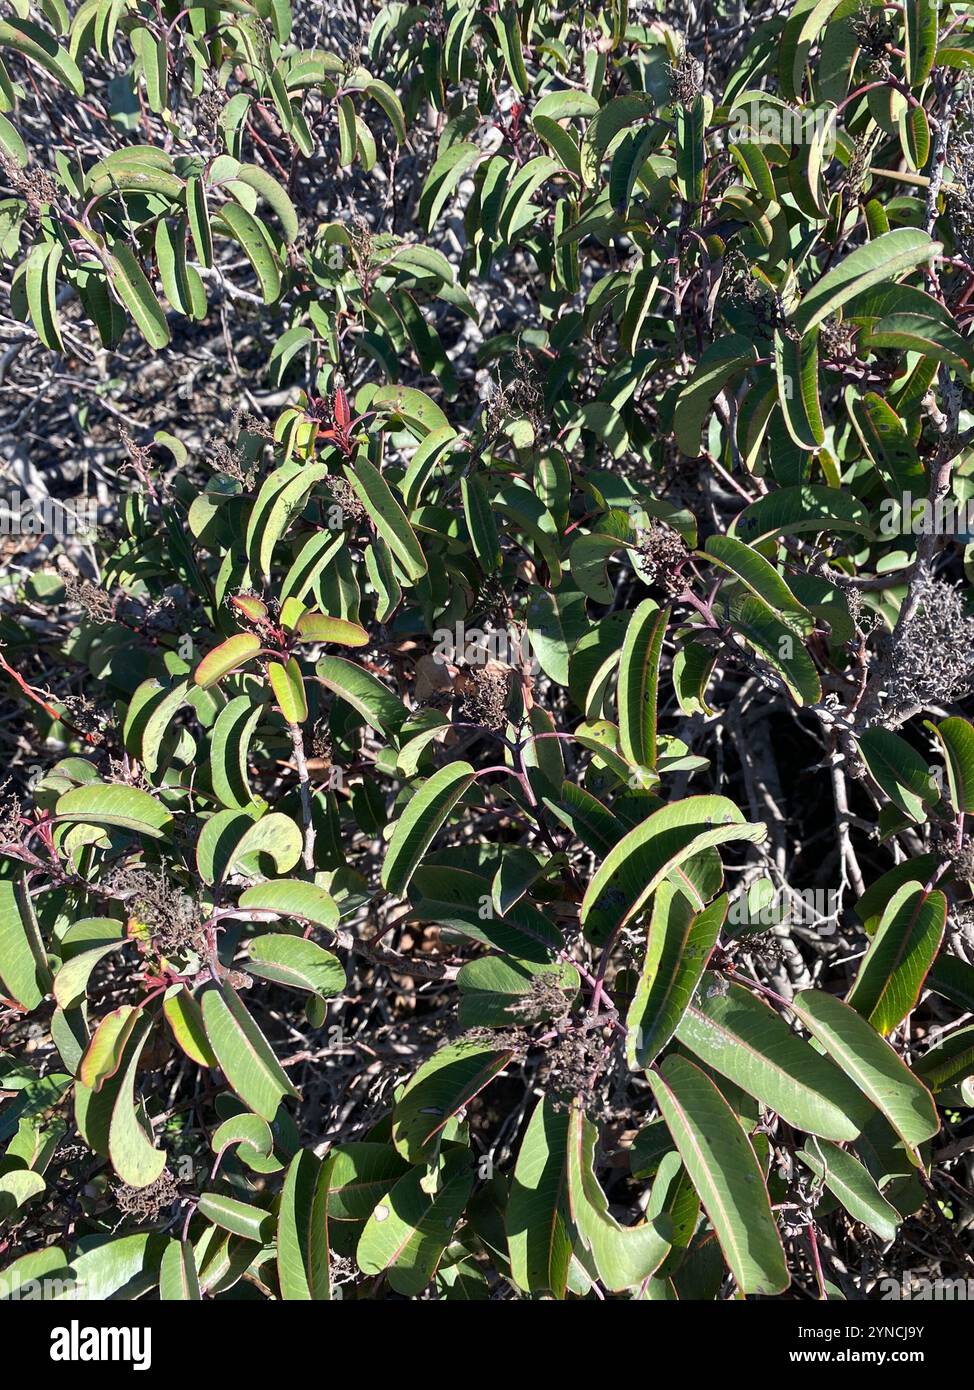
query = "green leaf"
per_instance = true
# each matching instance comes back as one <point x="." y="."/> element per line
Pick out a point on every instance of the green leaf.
<point x="691" y="154"/>
<point x="287" y="684"/>
<point x="480" y="523"/>
<point x="447" y="171"/>
<point x="42" y="265"/>
<point x="134" y="1157"/>
<point x="181" y="282"/>
<point x="521" y="189"/>
<point x="419" y="823"/>
<point x="757" y="573"/>
<point x="441" y="1087"/>
<point x="199" y="220"/>
<point x="244" y="1054"/>
<point x="869" y="1061"/>
<point x="623" y="1255"/>
<point x="71" y="981"/>
<point x="799" y="33"/>
<point x="293" y="897"/>
<point x="796" y="370"/>
<point x="410" y="1228"/>
<point x="386" y="515"/>
<point x="239" y="1218"/>
<point x="634" y="868"/>
<point x="252" y="236"/>
<point x="229" y="750"/>
<point x="137" y="295"/>
<point x="457" y="898"/>
<point x="299" y="963"/>
<point x="888" y="256"/>
<point x="639" y="681"/>
<point x="302" y="1230"/>
<point x="899" y="771"/>
<point x="179" y="1280"/>
<point x="24" y="972"/>
<point x="313" y="626"/>
<point x="127" y="808"/>
<point x="185" y="1018"/>
<point x="538" y="1220"/>
<point x="920" y="23"/>
<point x="356" y="1177"/>
<point x="123" y="1267"/>
<point x="274" y="195"/>
<point x="678" y="946"/>
<point x="37" y="45"/>
<point x="790" y="510"/>
<point x="497" y="991"/>
<point x="850" y="1183"/>
<point x="614" y="116"/>
<point x="718" y="366"/>
<point x="887" y="443"/>
<point x="779" y="645"/>
<point x="374" y="702"/>
<point x="282" y="497"/>
<point x="103" y="1055"/>
<point x="900" y="954"/>
<point x="229" y="656"/>
<point x="740" y="1036"/>
<point x="956" y="737"/>
<point x="276" y="835"/>
<point x="725" y="1172"/>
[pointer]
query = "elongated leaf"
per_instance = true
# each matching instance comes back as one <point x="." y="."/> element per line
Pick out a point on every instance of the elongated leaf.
<point x="374" y="702"/>
<point x="134" y="1157"/>
<point x="416" y="828"/>
<point x="185" y="1018"/>
<point x="294" y="961"/>
<point x="634" y="868"/>
<point x="638" y="683"/>
<point x="437" y="1091"/>
<point x="900" y="954"/>
<point x="779" y="645"/>
<point x="410" y="1228"/>
<point x="848" y="1181"/>
<point x="135" y="292"/>
<point x="302" y="1230"/>
<point x="244" y="1054"/>
<point x="623" y="1255"/>
<point x="104" y="1053"/>
<point x="871" y="1063"/>
<point x="293" y="897"/>
<point x="678" y="947"/>
<point x="387" y="516"/>
<point x="725" y="1172"/>
<point x="229" y="656"/>
<point x="24" y="971"/>
<point x="718" y="366"/>
<point x="731" y="1030"/>
<point x="239" y="1218"/>
<point x="128" y="808"/>
<point x="287" y="684"/>
<point x="956" y="737"/>
<point x="252" y="236"/>
<point x="752" y="569"/>
<point x="539" y="1231"/>
<point x="178" y="1276"/>
<point x="900" y="771"/>
<point x="890" y="255"/>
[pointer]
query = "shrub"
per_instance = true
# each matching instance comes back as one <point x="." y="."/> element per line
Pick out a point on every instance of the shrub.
<point x="487" y="803"/>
